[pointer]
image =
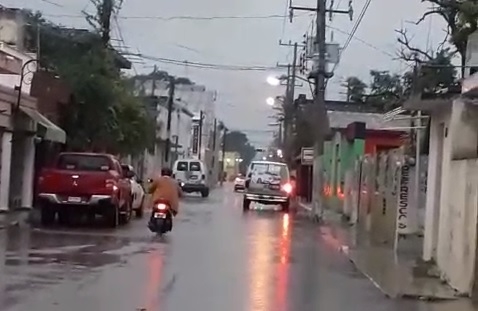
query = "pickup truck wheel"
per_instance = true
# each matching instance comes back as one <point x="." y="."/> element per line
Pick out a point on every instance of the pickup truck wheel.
<point x="47" y="215"/>
<point x="140" y="210"/>
<point x="285" y="206"/>
<point x="112" y="217"/>
<point x="205" y="193"/>
<point x="64" y="217"/>
<point x="125" y="217"/>
<point x="246" y="204"/>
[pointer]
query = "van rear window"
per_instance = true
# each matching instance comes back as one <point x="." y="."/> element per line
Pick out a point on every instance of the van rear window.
<point x="182" y="166"/>
<point x="81" y="162"/>
<point x="195" y="166"/>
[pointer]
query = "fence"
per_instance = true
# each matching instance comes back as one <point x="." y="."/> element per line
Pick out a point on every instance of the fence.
<point x="379" y="196"/>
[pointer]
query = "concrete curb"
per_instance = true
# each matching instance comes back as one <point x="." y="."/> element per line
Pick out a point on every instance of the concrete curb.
<point x="370" y="278"/>
<point x="15" y="218"/>
<point x="351" y="255"/>
<point x="304" y="206"/>
<point x="9" y="224"/>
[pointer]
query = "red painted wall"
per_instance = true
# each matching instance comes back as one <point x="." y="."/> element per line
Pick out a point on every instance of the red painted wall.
<point x="380" y="140"/>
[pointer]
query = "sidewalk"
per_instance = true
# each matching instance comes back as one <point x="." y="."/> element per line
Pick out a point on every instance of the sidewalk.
<point x="394" y="275"/>
<point x="14" y="218"/>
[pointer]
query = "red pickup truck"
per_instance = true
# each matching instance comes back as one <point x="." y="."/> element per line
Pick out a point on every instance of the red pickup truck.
<point x="85" y="183"/>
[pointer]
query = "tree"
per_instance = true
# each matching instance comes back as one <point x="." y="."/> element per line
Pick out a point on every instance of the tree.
<point x="435" y="69"/>
<point x="237" y="141"/>
<point x="355" y="89"/>
<point x="461" y="18"/>
<point x="385" y="89"/>
<point x="104" y="115"/>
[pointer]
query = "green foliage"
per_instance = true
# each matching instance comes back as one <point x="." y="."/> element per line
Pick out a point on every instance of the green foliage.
<point x="461" y="18"/>
<point x="437" y="73"/>
<point x="237" y="141"/>
<point x="356" y="89"/>
<point x="104" y="115"/>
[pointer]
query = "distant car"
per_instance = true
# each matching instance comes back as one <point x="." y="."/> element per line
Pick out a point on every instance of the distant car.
<point x="137" y="191"/>
<point x="268" y="182"/>
<point x="239" y="183"/>
<point x="191" y="175"/>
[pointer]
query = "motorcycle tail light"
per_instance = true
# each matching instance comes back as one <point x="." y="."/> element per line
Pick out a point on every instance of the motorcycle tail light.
<point x="161" y="206"/>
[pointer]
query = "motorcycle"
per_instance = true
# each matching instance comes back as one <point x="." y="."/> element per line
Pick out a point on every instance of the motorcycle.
<point x="161" y="220"/>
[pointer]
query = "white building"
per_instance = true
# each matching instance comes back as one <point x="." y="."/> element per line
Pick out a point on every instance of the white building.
<point x="188" y="98"/>
<point x="451" y="217"/>
<point x="18" y="135"/>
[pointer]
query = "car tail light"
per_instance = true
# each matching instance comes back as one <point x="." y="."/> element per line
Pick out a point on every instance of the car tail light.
<point x="111" y="184"/>
<point x="287" y="188"/>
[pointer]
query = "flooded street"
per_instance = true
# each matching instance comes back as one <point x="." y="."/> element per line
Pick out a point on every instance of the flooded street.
<point x="217" y="258"/>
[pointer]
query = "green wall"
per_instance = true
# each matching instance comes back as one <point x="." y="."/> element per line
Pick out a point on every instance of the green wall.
<point x="339" y="157"/>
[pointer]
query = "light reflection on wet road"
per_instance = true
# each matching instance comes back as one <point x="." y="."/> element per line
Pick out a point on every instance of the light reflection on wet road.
<point x="217" y="258"/>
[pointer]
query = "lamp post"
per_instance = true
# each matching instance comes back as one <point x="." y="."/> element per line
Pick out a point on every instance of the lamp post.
<point x="22" y="78"/>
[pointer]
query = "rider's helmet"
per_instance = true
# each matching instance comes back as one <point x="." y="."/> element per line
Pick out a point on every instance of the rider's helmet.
<point x="166" y="171"/>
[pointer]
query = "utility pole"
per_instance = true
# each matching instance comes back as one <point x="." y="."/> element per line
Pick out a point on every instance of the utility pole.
<point x="201" y="117"/>
<point x="290" y="94"/>
<point x="172" y="86"/>
<point x="320" y="111"/>
<point x="224" y="135"/>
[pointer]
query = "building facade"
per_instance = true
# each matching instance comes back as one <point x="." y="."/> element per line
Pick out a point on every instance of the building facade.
<point x="193" y="125"/>
<point x="350" y="141"/>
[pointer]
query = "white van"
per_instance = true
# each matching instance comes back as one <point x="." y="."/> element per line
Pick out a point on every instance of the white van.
<point x="192" y="175"/>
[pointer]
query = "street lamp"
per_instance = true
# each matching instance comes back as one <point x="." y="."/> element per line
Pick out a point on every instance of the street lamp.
<point x="274" y="81"/>
<point x="22" y="78"/>
<point x="270" y="101"/>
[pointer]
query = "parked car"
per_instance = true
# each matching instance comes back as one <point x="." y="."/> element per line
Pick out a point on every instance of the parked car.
<point x="85" y="183"/>
<point x="268" y="182"/>
<point x="239" y="182"/>
<point x="137" y="191"/>
<point x="191" y="175"/>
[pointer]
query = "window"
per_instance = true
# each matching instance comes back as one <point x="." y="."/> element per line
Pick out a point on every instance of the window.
<point x="182" y="166"/>
<point x="195" y="166"/>
<point x="81" y="162"/>
<point x="271" y="169"/>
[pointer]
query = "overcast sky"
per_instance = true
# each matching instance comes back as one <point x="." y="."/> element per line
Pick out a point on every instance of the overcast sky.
<point x="241" y="101"/>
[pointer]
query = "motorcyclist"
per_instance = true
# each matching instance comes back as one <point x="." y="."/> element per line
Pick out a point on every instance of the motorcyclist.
<point x="166" y="188"/>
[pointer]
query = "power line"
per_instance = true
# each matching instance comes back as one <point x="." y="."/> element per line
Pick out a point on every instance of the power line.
<point x="354" y="30"/>
<point x="363" y="42"/>
<point x="203" y="65"/>
<point x="184" y="17"/>
<point x="53" y="3"/>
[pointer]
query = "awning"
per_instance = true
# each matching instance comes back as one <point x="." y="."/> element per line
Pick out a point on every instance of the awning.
<point x="46" y="129"/>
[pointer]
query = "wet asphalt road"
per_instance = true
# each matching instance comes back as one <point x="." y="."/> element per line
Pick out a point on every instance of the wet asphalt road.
<point x="217" y="258"/>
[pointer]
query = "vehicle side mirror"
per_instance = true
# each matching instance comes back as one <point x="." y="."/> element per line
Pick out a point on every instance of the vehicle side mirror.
<point x="249" y="175"/>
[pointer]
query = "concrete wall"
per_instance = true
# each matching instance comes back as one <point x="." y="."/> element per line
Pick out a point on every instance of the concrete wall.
<point x="439" y="156"/>
<point x="452" y="194"/>
<point x="457" y="247"/>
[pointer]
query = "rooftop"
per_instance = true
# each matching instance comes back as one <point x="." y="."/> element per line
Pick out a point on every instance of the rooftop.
<point x="373" y="121"/>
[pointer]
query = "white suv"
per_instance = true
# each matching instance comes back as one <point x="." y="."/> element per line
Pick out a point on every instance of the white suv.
<point x="268" y="182"/>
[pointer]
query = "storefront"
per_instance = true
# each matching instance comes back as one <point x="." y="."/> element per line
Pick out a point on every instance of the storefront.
<point x="21" y="127"/>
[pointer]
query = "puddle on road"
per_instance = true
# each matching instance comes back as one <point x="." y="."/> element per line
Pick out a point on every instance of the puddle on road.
<point x="34" y="259"/>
